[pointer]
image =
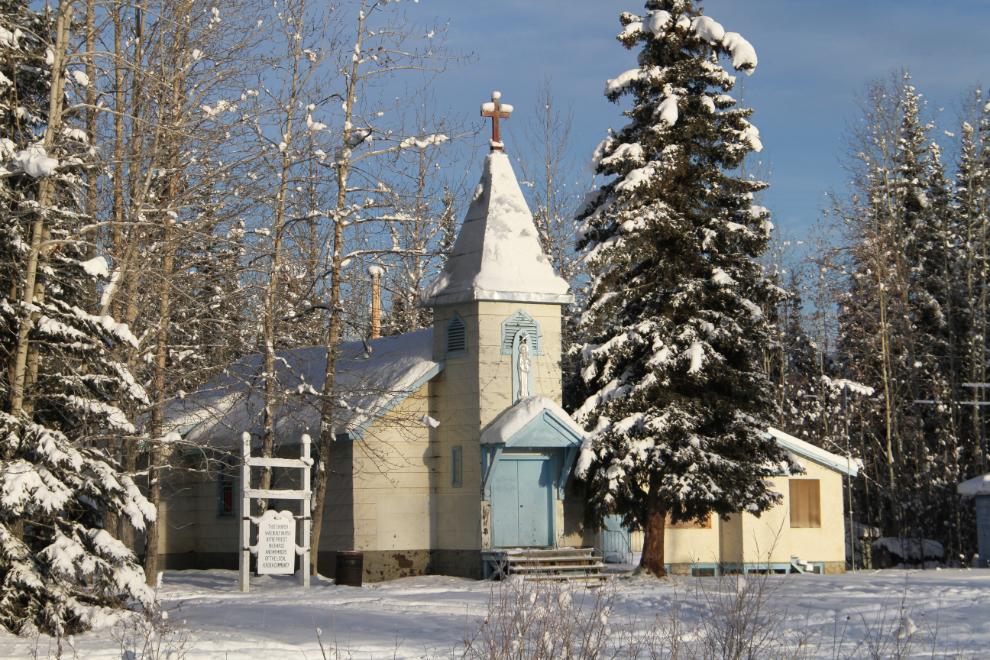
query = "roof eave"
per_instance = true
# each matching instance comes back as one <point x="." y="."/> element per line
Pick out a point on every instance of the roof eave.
<point x="481" y="295"/>
<point x="847" y="466"/>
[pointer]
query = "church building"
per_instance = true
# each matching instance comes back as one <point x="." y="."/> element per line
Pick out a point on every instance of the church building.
<point x="451" y="441"/>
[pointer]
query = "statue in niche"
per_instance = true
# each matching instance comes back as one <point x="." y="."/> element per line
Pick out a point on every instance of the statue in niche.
<point x="523" y="365"/>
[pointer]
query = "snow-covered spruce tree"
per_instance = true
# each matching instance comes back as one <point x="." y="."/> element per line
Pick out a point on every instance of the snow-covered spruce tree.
<point x="932" y="503"/>
<point x="972" y="210"/>
<point x="672" y="320"/>
<point x="60" y="388"/>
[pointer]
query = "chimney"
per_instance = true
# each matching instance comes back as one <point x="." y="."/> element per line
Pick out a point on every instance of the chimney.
<point x="376" y="300"/>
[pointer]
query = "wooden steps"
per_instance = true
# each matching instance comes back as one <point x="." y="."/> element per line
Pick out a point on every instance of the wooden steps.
<point x="560" y="565"/>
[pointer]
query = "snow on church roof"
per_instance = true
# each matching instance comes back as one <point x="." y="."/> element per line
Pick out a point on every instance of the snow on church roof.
<point x="497" y="255"/>
<point x="366" y="385"/>
<point x="521" y="414"/>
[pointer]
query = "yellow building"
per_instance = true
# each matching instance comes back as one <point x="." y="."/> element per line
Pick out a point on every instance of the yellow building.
<point x="804" y="533"/>
<point x="451" y="442"/>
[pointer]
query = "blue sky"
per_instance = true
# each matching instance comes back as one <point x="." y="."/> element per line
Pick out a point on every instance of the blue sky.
<point x="814" y="57"/>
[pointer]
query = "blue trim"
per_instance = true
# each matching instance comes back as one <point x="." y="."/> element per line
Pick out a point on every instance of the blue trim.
<point x="570" y="455"/>
<point x="396" y="400"/>
<point x="817" y="567"/>
<point x="447" y="353"/>
<point x="489" y="470"/>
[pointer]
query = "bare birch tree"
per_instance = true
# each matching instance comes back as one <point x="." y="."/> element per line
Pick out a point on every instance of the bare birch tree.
<point x="384" y="44"/>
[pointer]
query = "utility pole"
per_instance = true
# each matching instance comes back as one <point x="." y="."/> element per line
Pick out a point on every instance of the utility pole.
<point x="849" y="488"/>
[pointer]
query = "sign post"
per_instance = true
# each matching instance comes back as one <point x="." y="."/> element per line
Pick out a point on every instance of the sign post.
<point x="277" y="546"/>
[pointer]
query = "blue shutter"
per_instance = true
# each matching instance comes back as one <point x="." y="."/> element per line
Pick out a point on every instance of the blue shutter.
<point x="456" y="337"/>
<point x="521" y="321"/>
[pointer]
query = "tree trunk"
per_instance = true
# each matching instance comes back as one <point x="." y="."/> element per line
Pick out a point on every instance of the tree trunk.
<point x="270" y="323"/>
<point x="158" y="410"/>
<point x="129" y="463"/>
<point x="327" y="436"/>
<point x="154" y="497"/>
<point x="46" y="191"/>
<point x="652" y="560"/>
<point x="326" y="411"/>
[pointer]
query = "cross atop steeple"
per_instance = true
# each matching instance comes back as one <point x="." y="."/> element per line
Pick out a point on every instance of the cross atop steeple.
<point x="496" y="112"/>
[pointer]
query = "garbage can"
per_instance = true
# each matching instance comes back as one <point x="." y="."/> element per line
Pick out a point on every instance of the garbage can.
<point x="350" y="568"/>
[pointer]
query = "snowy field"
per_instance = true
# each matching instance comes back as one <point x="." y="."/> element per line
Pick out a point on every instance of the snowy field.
<point x="424" y="617"/>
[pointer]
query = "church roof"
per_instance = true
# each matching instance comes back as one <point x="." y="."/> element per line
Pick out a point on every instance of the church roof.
<point x="367" y="385"/>
<point x="497" y="255"/>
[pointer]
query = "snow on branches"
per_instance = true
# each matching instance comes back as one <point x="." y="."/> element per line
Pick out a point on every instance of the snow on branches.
<point x="672" y="316"/>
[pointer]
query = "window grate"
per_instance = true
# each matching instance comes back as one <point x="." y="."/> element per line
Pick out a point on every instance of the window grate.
<point x="456" y="336"/>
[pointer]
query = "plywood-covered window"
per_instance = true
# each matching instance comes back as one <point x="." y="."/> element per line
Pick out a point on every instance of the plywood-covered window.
<point x="806" y="503"/>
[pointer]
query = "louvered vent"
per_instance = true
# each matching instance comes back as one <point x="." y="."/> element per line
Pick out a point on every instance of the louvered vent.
<point x="456" y="336"/>
<point x="521" y="321"/>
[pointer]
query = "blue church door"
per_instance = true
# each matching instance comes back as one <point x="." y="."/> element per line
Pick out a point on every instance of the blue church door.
<point x="522" y="501"/>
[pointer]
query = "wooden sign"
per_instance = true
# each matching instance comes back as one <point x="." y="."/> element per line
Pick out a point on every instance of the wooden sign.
<point x="276" y="543"/>
<point x="276" y="549"/>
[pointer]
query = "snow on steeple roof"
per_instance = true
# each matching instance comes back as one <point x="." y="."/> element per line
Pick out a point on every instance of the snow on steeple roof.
<point x="497" y="255"/>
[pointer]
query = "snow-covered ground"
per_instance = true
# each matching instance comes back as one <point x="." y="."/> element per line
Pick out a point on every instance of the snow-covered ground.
<point x="423" y="617"/>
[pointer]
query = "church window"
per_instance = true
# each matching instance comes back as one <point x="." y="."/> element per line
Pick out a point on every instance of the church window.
<point x="456" y="337"/>
<point x="521" y="321"/>
<point x="806" y="504"/>
<point x="225" y="489"/>
<point x="456" y="468"/>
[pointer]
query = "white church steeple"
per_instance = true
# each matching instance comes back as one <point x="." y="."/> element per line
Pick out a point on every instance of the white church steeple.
<point x="497" y="255"/>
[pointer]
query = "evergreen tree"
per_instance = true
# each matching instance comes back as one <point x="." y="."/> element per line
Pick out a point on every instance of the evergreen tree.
<point x="61" y="388"/>
<point x="672" y="320"/>
<point x="972" y="204"/>
<point x="935" y="466"/>
<point x="808" y="403"/>
<point x="876" y="339"/>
